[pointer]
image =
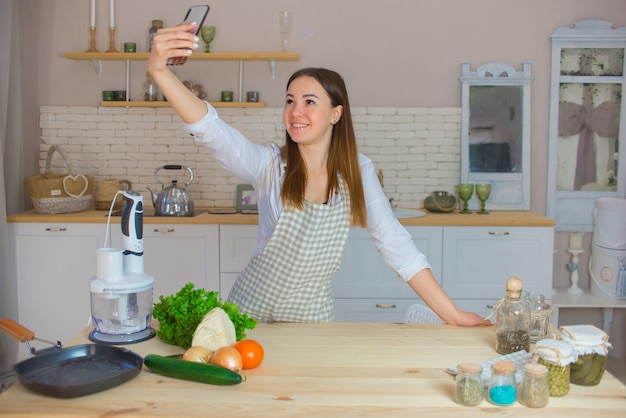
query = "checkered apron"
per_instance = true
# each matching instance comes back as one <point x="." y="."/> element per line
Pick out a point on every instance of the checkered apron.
<point x="291" y="279"/>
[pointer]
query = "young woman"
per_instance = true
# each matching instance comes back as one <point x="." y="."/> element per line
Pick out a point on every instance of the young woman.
<point x="309" y="192"/>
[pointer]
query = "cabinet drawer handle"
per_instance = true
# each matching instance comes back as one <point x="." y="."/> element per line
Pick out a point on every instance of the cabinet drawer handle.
<point x="56" y="229"/>
<point x="489" y="306"/>
<point x="498" y="233"/>
<point x="386" y="306"/>
<point x="164" y="230"/>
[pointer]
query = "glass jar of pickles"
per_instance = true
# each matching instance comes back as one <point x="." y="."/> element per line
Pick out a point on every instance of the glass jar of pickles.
<point x="591" y="346"/>
<point x="557" y="356"/>
<point x="469" y="384"/>
<point x="535" y="392"/>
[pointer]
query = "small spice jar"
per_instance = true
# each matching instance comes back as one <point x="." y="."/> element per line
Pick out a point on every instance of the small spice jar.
<point x="557" y="356"/>
<point x="591" y="347"/>
<point x="534" y="392"/>
<point x="469" y="384"/>
<point x="501" y="388"/>
<point x="156" y="25"/>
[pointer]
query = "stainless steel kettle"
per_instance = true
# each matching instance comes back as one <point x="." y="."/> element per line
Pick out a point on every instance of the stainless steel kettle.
<point x="173" y="200"/>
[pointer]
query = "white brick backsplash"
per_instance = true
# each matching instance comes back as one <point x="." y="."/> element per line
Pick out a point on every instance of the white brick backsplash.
<point x="418" y="149"/>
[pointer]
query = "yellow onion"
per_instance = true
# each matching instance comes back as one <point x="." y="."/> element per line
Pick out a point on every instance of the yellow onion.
<point x="228" y="357"/>
<point x="197" y="353"/>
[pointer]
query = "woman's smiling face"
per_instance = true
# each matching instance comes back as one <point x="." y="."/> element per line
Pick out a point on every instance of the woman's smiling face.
<point x="309" y="115"/>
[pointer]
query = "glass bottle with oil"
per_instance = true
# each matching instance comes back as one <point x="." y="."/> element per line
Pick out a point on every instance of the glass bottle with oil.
<point x="512" y="320"/>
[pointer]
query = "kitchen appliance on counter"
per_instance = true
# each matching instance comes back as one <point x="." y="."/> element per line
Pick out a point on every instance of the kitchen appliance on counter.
<point x="121" y="292"/>
<point x="173" y="200"/>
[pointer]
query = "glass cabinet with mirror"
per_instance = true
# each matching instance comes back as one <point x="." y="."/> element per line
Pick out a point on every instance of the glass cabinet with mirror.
<point x="587" y="140"/>
<point x="495" y="133"/>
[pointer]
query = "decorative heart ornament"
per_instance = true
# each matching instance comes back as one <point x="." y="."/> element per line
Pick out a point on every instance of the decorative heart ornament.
<point x="572" y="267"/>
<point x="74" y="181"/>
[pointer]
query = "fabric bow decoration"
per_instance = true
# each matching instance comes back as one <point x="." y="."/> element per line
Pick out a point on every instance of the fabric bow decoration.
<point x="574" y="118"/>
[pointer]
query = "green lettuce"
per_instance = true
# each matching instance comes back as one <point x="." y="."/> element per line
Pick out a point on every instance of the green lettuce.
<point x="180" y="314"/>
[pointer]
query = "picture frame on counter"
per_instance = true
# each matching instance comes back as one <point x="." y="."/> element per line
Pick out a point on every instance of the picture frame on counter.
<point x="246" y="199"/>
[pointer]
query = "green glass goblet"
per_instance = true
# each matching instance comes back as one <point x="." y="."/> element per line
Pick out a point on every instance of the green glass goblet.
<point x="208" y="34"/>
<point x="483" y="190"/>
<point x="466" y="190"/>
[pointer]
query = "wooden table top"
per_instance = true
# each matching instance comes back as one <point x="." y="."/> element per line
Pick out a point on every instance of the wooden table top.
<point x="494" y="218"/>
<point x="323" y="369"/>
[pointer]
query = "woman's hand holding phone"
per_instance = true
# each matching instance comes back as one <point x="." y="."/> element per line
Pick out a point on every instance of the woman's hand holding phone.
<point x="171" y="43"/>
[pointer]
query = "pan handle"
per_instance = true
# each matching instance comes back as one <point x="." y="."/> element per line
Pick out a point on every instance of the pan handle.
<point x="23" y="334"/>
<point x="15" y="330"/>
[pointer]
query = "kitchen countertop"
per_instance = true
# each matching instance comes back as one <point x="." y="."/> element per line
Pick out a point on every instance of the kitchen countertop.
<point x="494" y="218"/>
<point x="323" y="369"/>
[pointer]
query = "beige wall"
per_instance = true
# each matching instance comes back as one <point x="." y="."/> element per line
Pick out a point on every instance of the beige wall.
<point x="391" y="53"/>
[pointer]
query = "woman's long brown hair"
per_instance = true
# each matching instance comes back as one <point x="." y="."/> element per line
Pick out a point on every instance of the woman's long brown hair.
<point x="343" y="155"/>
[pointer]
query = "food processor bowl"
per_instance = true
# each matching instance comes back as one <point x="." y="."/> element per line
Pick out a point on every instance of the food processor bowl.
<point x="121" y="312"/>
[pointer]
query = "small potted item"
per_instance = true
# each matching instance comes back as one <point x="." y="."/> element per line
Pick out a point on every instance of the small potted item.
<point x="591" y="346"/>
<point x="501" y="389"/>
<point x="440" y="201"/>
<point x="535" y="392"/>
<point x="469" y="384"/>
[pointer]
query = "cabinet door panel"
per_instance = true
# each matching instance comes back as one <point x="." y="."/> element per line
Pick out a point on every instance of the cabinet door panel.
<point x="54" y="264"/>
<point x="371" y="310"/>
<point x="178" y="254"/>
<point x="237" y="245"/>
<point x="364" y="274"/>
<point x="480" y="259"/>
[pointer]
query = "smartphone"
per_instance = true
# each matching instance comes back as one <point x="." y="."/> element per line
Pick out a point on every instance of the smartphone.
<point x="194" y="14"/>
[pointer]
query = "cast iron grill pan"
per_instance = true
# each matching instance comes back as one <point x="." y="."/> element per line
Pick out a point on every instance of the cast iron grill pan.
<point x="77" y="371"/>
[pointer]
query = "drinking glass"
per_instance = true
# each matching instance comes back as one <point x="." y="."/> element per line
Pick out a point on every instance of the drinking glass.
<point x="466" y="190"/>
<point x="285" y="19"/>
<point x="208" y="34"/>
<point x="483" y="190"/>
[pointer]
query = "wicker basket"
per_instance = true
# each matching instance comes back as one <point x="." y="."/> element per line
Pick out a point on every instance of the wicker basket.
<point x="60" y="193"/>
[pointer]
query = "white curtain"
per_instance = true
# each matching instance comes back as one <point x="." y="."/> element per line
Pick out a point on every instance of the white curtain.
<point x="11" y="167"/>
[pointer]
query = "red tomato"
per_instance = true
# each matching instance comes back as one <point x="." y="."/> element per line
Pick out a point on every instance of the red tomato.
<point x="251" y="353"/>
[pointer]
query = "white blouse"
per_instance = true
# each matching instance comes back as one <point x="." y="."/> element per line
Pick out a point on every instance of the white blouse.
<point x="262" y="166"/>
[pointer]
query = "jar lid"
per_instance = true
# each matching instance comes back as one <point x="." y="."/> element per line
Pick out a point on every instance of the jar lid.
<point x="535" y="369"/>
<point x="157" y="23"/>
<point x="555" y="351"/>
<point x="503" y="367"/>
<point x="514" y="287"/>
<point x="470" y="368"/>
<point x="586" y="339"/>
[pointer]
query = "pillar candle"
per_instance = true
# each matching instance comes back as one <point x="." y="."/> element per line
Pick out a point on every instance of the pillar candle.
<point x="111" y="13"/>
<point x="576" y="241"/>
<point x="92" y="22"/>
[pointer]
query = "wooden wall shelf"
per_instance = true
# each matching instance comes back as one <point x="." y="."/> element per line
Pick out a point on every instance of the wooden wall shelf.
<point x="271" y="57"/>
<point x="214" y="56"/>
<point x="134" y="103"/>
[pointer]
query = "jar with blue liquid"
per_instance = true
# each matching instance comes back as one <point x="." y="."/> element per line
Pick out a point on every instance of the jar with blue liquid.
<point x="501" y="389"/>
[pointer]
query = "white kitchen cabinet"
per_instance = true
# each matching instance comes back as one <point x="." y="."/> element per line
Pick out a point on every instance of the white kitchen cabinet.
<point x="54" y="263"/>
<point x="471" y="264"/>
<point x="237" y="245"/>
<point x="366" y="289"/>
<point x="176" y="254"/>
<point x="478" y="260"/>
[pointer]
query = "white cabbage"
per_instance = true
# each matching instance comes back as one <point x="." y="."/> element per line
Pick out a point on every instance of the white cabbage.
<point x="216" y="330"/>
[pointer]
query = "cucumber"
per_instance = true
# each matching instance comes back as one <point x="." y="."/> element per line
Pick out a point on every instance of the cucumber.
<point x="189" y="370"/>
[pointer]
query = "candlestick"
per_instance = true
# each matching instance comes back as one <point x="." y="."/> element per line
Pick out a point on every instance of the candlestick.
<point x="92" y="39"/>
<point x="112" y="40"/>
<point x="92" y="21"/>
<point x="111" y="13"/>
<point x="573" y="269"/>
<point x="576" y="240"/>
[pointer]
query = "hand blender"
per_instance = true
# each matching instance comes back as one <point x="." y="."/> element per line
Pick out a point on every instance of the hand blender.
<point x="121" y="293"/>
